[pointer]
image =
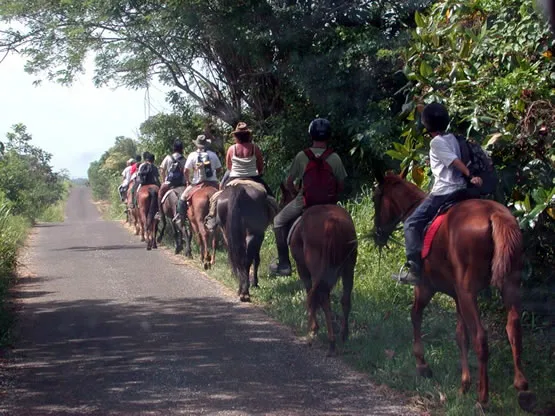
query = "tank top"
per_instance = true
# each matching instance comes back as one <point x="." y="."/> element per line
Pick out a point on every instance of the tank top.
<point x="243" y="167"/>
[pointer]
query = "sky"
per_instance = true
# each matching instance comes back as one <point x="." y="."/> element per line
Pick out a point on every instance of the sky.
<point x="78" y="123"/>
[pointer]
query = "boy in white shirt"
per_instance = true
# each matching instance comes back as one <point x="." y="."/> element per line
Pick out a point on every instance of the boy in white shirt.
<point x="450" y="175"/>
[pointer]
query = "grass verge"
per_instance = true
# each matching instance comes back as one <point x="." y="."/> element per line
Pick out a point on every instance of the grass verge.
<point x="381" y="331"/>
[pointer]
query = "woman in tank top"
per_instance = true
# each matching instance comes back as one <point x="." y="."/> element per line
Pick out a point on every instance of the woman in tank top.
<point x="244" y="159"/>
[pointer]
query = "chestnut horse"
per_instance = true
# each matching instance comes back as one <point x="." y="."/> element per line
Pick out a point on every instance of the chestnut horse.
<point x="324" y="247"/>
<point x="147" y="203"/>
<point x="181" y="234"/>
<point x="197" y="210"/>
<point x="133" y="213"/>
<point x="478" y="244"/>
<point x="244" y="215"/>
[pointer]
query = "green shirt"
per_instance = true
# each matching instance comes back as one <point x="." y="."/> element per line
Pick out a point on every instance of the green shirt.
<point x="301" y="160"/>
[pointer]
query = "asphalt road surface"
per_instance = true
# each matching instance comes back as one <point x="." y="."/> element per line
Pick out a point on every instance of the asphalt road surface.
<point x="105" y="327"/>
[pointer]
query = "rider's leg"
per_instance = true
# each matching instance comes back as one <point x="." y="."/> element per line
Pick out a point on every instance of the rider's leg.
<point x="282" y="223"/>
<point x="181" y="213"/>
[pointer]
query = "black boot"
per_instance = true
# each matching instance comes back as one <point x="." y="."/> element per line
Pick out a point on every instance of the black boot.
<point x="409" y="274"/>
<point x="181" y="212"/>
<point x="283" y="267"/>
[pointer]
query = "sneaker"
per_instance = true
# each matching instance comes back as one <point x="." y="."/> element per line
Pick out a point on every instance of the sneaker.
<point x="408" y="274"/>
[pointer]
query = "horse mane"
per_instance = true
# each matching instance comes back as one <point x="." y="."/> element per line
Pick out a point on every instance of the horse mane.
<point x="411" y="191"/>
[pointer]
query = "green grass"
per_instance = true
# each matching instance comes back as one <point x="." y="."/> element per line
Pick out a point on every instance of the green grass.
<point x="381" y="330"/>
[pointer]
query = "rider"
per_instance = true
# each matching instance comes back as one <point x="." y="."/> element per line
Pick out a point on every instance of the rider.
<point x="126" y="175"/>
<point x="172" y="170"/>
<point x="320" y="132"/>
<point x="205" y="167"/>
<point x="243" y="160"/>
<point x="449" y="174"/>
<point x="147" y="173"/>
<point x="133" y="172"/>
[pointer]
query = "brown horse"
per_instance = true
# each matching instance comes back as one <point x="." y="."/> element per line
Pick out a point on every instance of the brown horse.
<point x="324" y="247"/>
<point x="147" y="202"/>
<point x="197" y="209"/>
<point x="478" y="244"/>
<point x="180" y="233"/>
<point x="133" y="211"/>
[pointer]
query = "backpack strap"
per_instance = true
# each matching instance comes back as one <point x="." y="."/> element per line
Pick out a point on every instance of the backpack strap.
<point x="311" y="156"/>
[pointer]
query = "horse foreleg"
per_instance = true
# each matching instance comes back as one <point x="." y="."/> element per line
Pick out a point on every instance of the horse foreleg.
<point x="462" y="342"/>
<point x="178" y="238"/>
<point x="422" y="296"/>
<point x="312" y="306"/>
<point x="347" y="278"/>
<point x="471" y="316"/>
<point x="254" y="243"/>
<point x="203" y="244"/>
<point x="213" y="237"/>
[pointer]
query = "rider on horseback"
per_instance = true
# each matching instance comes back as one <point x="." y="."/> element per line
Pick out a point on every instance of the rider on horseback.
<point x="320" y="132"/>
<point x="148" y="174"/>
<point x="126" y="175"/>
<point x="243" y="160"/>
<point x="205" y="166"/>
<point x="172" y="170"/>
<point x="449" y="178"/>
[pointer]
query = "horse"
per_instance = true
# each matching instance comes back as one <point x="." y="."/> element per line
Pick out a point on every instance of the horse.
<point x="478" y="244"/>
<point x="180" y="233"/>
<point x="197" y="209"/>
<point x="243" y="214"/>
<point x="324" y="246"/>
<point x="133" y="211"/>
<point x="147" y="203"/>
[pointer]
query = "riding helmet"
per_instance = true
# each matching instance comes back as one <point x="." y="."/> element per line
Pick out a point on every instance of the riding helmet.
<point x="319" y="128"/>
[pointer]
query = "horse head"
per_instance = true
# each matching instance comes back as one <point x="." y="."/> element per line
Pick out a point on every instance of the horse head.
<point x="394" y="200"/>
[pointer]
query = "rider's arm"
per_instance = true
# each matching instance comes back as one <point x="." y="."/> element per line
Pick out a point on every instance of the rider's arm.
<point x="290" y="185"/>
<point x="187" y="174"/>
<point x="228" y="157"/>
<point x="259" y="160"/>
<point x="459" y="165"/>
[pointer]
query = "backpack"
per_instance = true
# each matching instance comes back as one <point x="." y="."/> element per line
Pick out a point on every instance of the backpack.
<point x="175" y="172"/>
<point x="145" y="172"/>
<point x="204" y="165"/>
<point x="479" y="164"/>
<point x="319" y="183"/>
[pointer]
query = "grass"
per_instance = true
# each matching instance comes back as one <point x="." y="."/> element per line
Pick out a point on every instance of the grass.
<point x="381" y="330"/>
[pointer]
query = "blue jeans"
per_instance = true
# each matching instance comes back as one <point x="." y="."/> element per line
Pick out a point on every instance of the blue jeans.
<point x="415" y="224"/>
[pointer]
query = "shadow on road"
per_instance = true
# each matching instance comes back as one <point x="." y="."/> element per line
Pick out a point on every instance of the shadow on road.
<point x="100" y="248"/>
<point x="158" y="355"/>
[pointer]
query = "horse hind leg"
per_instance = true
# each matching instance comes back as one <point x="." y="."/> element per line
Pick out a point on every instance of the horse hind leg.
<point x="462" y="342"/>
<point x="254" y="244"/>
<point x="511" y="299"/>
<point x="347" y="279"/>
<point x="324" y="299"/>
<point x="422" y="296"/>
<point x="471" y="316"/>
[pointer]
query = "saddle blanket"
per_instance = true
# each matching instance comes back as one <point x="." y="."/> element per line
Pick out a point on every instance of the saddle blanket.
<point x="430" y="233"/>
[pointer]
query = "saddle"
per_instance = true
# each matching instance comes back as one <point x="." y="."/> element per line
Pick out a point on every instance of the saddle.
<point x="432" y="227"/>
<point x="178" y="191"/>
<point x="246" y="182"/>
<point x="198" y="187"/>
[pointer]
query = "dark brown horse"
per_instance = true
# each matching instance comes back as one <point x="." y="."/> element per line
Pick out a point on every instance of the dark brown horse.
<point x="180" y="233"/>
<point x="478" y="244"/>
<point x="197" y="209"/>
<point x="133" y="211"/>
<point x="244" y="215"/>
<point x="147" y="202"/>
<point x="324" y="247"/>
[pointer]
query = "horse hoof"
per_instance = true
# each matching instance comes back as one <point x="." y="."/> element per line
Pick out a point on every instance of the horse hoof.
<point x="424" y="371"/>
<point x="527" y="400"/>
<point x="206" y="266"/>
<point x="245" y="298"/>
<point x="159" y="239"/>
<point x="178" y="250"/>
<point x="148" y="248"/>
<point x="332" y="351"/>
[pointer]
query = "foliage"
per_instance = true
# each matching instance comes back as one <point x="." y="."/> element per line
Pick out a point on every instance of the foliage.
<point x="26" y="177"/>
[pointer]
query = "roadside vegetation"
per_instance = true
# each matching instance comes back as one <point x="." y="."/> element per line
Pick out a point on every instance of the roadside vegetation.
<point x="367" y="66"/>
<point x="30" y="192"/>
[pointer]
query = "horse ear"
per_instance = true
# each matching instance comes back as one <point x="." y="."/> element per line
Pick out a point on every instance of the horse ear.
<point x="404" y="172"/>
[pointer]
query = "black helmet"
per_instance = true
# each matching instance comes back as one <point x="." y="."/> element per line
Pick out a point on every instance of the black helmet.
<point x="319" y="129"/>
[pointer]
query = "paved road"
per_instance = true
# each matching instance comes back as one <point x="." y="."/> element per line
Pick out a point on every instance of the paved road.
<point x="106" y="327"/>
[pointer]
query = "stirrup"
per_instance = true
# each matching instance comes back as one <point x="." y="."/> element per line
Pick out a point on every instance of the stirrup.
<point x="406" y="276"/>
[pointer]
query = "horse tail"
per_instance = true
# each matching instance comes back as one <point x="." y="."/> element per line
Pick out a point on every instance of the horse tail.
<point x="507" y="247"/>
<point x="235" y="232"/>
<point x="153" y="207"/>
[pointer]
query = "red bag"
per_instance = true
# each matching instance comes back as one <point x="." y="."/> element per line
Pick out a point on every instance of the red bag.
<point x="320" y="186"/>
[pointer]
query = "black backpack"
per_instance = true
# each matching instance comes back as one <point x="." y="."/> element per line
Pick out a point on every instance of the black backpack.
<point x="175" y="173"/>
<point x="479" y="164"/>
<point x="145" y="172"/>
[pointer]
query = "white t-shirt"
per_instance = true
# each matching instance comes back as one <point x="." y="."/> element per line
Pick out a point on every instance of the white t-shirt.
<point x="192" y="164"/>
<point x="126" y="174"/>
<point x="443" y="152"/>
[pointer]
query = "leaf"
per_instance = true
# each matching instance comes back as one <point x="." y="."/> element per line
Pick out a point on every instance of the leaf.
<point x="419" y="19"/>
<point x="551" y="212"/>
<point x="417" y="175"/>
<point x="395" y="155"/>
<point x="425" y="69"/>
